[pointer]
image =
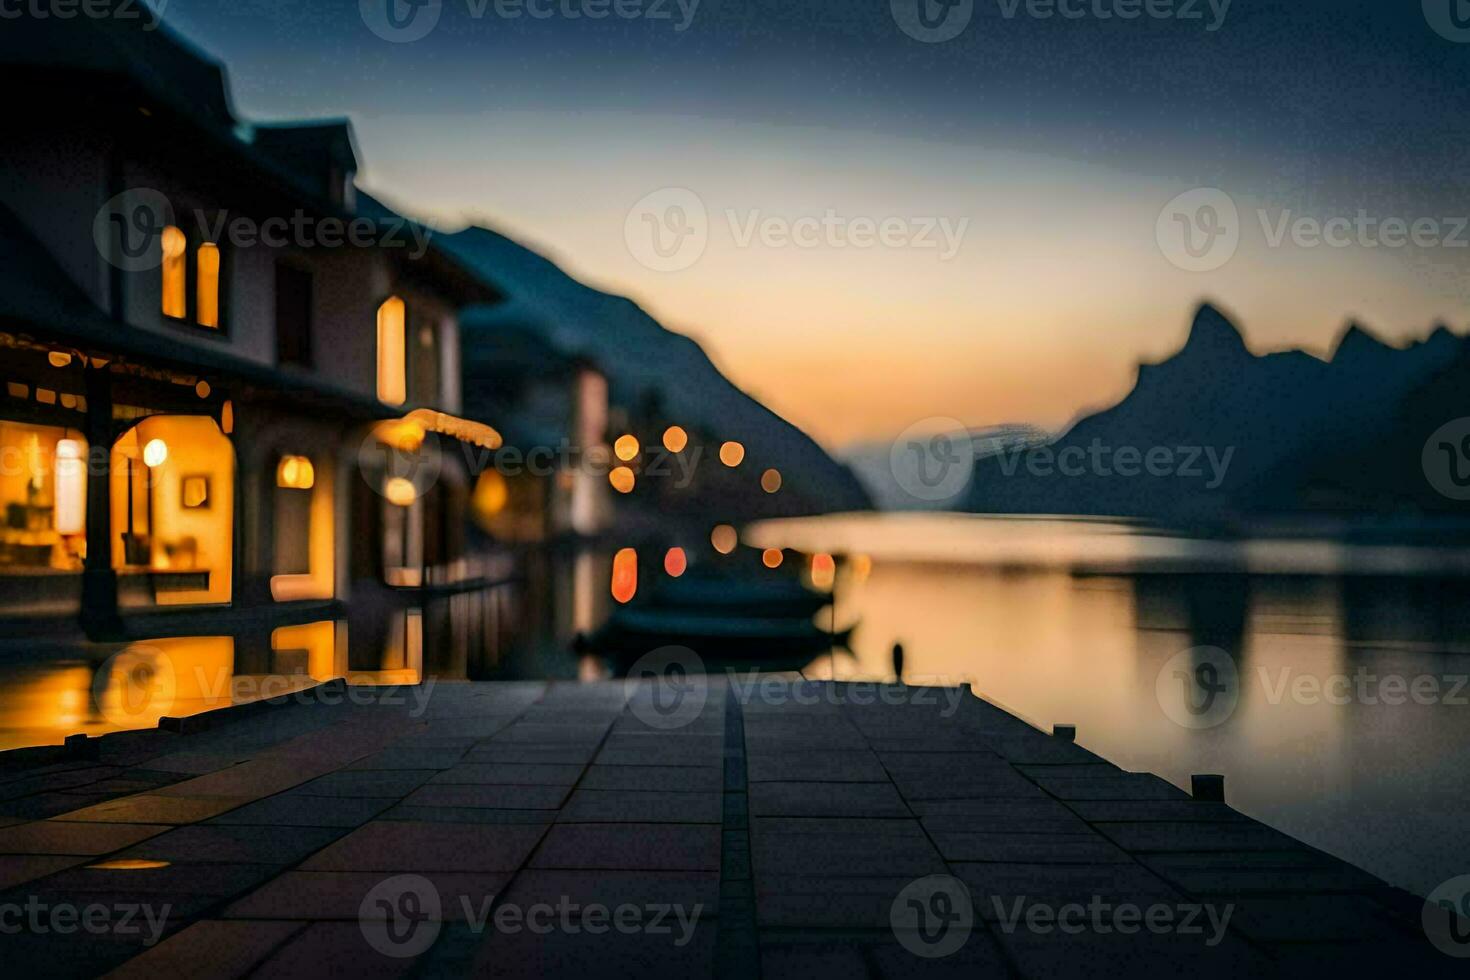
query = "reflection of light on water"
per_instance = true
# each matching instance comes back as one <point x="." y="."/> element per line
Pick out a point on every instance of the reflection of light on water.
<point x="127" y="864"/>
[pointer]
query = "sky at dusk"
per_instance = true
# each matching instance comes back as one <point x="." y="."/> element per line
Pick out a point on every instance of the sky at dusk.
<point x="1047" y="147"/>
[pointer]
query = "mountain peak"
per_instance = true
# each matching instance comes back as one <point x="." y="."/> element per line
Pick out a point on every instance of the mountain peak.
<point x="1213" y="335"/>
<point x="1357" y="341"/>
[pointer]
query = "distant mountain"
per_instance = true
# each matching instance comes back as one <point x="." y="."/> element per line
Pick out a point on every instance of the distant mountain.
<point x="1216" y="433"/>
<point x="890" y="477"/>
<point x="648" y="364"/>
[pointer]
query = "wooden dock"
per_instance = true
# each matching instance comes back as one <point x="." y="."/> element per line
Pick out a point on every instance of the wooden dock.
<point x="787" y="828"/>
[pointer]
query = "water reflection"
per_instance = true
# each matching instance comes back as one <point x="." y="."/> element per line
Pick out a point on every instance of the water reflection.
<point x="95" y="689"/>
<point x="1067" y="623"/>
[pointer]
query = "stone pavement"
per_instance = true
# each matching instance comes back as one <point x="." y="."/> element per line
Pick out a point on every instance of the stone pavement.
<point x="785" y="829"/>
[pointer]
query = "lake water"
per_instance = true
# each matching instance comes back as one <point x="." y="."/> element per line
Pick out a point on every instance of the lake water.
<point x="1326" y="681"/>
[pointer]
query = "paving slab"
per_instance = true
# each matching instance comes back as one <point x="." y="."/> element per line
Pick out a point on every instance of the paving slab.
<point x="350" y="895"/>
<point x="624" y="806"/>
<point x="631" y="846"/>
<point x="388" y="845"/>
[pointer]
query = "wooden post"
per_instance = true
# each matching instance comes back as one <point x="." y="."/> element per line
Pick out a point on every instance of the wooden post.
<point x="1207" y="787"/>
<point x="99" y="616"/>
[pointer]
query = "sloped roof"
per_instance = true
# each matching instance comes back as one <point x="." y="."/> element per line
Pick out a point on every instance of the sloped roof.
<point x="37" y="296"/>
<point x="131" y="43"/>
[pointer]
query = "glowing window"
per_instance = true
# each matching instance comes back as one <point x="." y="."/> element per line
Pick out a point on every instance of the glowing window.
<point x="392" y="372"/>
<point x="43" y="497"/>
<point x="625" y="575"/>
<point x="174" y="245"/>
<point x="295" y="473"/>
<point x="732" y="453"/>
<point x="206" y="286"/>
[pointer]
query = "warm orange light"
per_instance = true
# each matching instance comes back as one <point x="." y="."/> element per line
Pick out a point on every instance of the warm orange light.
<point x="675" y="439"/>
<point x="862" y="567"/>
<point x="772" y="557"/>
<point x="625" y="575"/>
<point x="622" y="479"/>
<point x="70" y="515"/>
<point x="206" y="285"/>
<point x="732" y="454"/>
<point x="202" y="389"/>
<point x="227" y="417"/>
<point x="59" y="358"/>
<point x="675" y="562"/>
<point x="295" y="473"/>
<point x="155" y="453"/>
<point x="491" y="494"/>
<point x="626" y="448"/>
<point x="174" y="244"/>
<point x="392" y="366"/>
<point x="771" y="481"/>
<point x="824" y="572"/>
<point x="400" y="492"/>
<point x="128" y="864"/>
<point x="724" y="539"/>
